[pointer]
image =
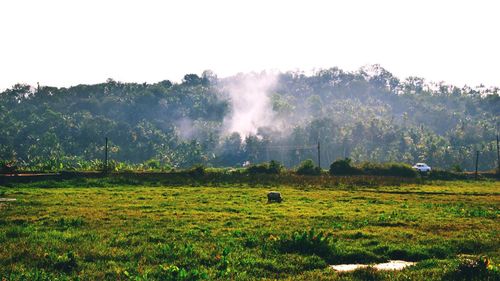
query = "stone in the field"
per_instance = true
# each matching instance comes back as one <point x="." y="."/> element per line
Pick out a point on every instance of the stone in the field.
<point x="274" y="196"/>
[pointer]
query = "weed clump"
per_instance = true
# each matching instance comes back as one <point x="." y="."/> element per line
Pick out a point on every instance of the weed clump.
<point x="174" y="273"/>
<point x="17" y="232"/>
<point x="367" y="274"/>
<point x="474" y="268"/>
<point x="308" y="243"/>
<point x="70" y="222"/>
<point x="66" y="262"/>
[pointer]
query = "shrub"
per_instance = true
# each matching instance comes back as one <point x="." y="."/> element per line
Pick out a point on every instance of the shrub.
<point x="437" y="174"/>
<point x="153" y="164"/>
<point x="197" y="171"/>
<point x="8" y="167"/>
<point x="389" y="169"/>
<point x="273" y="167"/>
<point x="307" y="167"/>
<point x="343" y="167"/>
<point x="257" y="168"/>
<point x="456" y="168"/>
<point x="402" y="170"/>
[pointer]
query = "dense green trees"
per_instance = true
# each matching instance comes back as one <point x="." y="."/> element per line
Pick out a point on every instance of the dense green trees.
<point x="368" y="115"/>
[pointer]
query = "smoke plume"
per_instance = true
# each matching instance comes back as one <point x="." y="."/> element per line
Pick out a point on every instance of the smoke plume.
<point x="249" y="96"/>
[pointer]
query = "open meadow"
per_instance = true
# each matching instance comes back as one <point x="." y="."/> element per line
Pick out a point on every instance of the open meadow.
<point x="229" y="232"/>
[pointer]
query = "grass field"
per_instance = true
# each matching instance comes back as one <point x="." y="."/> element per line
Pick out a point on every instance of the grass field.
<point x="134" y="232"/>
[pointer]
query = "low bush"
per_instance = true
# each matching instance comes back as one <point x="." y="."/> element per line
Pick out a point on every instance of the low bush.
<point x="307" y="167"/>
<point x="389" y="169"/>
<point x="272" y="167"/>
<point x="456" y="168"/>
<point x="343" y="167"/>
<point x="437" y="174"/>
<point x="156" y="165"/>
<point x="197" y="171"/>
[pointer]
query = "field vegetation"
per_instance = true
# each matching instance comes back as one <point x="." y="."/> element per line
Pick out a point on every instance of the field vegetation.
<point x="121" y="228"/>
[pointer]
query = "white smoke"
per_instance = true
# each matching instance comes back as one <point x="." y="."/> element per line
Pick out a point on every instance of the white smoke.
<point x="186" y="128"/>
<point x="249" y="97"/>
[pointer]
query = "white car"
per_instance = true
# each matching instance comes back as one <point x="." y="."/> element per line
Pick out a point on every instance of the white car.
<point x="422" y="167"/>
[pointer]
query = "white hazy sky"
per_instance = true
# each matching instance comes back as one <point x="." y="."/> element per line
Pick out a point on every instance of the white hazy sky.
<point x="69" y="42"/>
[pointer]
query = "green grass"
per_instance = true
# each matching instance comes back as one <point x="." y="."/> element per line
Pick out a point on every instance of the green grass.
<point x="111" y="230"/>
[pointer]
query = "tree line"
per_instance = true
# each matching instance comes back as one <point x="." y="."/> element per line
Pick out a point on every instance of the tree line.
<point x="365" y="115"/>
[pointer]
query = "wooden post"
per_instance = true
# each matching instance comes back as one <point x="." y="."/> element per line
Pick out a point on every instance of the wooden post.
<point x="477" y="161"/>
<point x="319" y="156"/>
<point x="106" y="156"/>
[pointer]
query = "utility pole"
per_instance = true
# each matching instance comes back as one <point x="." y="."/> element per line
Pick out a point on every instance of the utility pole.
<point x="267" y="153"/>
<point x="477" y="161"/>
<point x="319" y="155"/>
<point x="498" y="156"/>
<point x="106" y="156"/>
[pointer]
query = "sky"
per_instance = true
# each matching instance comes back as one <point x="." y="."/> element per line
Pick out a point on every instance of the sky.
<point x="64" y="43"/>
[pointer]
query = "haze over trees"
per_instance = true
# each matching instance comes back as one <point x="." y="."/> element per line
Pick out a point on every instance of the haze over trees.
<point x="367" y="115"/>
